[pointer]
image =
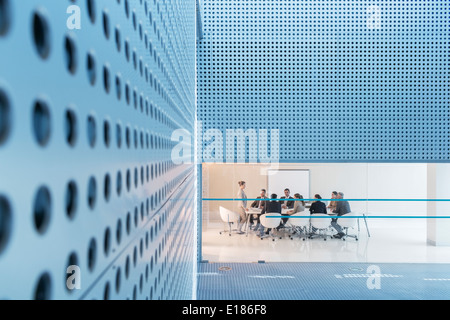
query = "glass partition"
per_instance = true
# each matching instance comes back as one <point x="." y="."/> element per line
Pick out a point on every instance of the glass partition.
<point x="391" y="202"/>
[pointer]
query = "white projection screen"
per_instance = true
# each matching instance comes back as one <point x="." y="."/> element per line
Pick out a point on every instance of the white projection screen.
<point x="297" y="181"/>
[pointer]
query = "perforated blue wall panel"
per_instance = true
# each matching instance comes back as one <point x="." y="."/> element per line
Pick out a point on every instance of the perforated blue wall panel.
<point x="86" y="177"/>
<point x="342" y="80"/>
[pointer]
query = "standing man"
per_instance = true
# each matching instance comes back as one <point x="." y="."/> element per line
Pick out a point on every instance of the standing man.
<point x="342" y="208"/>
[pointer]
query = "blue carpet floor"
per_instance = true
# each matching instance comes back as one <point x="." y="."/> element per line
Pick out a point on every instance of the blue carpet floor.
<point x="323" y="281"/>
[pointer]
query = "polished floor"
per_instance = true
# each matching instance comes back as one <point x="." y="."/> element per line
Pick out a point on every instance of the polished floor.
<point x="394" y="263"/>
<point x="390" y="241"/>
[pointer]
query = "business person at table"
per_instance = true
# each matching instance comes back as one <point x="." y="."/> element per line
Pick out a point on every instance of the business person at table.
<point x="332" y="205"/>
<point x="242" y="206"/>
<point x="342" y="208"/>
<point x="272" y="206"/>
<point x="259" y="204"/>
<point x="286" y="204"/>
<point x="299" y="206"/>
<point x="317" y="207"/>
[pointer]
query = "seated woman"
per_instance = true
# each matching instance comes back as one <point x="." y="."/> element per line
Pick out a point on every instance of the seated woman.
<point x="299" y="206"/>
<point x="272" y="206"/>
<point x="317" y="207"/>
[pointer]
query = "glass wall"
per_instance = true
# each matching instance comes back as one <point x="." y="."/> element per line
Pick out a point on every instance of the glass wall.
<point x="389" y="200"/>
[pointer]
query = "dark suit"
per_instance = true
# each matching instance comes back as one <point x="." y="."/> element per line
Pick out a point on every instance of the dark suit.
<point x="257" y="204"/>
<point x="270" y="207"/>
<point x="318" y="207"/>
<point x="342" y="207"/>
<point x="290" y="204"/>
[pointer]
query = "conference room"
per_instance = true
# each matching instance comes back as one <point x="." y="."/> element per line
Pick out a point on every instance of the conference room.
<point x="396" y="219"/>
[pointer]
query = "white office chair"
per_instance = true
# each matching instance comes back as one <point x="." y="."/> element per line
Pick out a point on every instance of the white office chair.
<point x="348" y="221"/>
<point x="321" y="222"/>
<point x="270" y="222"/>
<point x="299" y="223"/>
<point x="229" y="217"/>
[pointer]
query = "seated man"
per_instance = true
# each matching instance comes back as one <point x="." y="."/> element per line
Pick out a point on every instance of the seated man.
<point x="271" y="206"/>
<point x="342" y="207"/>
<point x="286" y="204"/>
<point x="260" y="205"/>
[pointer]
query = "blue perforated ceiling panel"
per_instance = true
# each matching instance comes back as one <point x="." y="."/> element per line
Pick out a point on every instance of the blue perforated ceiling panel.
<point x="341" y="80"/>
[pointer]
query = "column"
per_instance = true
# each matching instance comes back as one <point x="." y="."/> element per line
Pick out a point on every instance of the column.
<point x="438" y="187"/>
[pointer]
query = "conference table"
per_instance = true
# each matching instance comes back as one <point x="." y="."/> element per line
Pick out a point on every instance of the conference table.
<point x="284" y="212"/>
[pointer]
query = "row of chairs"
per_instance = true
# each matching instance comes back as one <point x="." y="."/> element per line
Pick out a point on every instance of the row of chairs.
<point x="299" y="224"/>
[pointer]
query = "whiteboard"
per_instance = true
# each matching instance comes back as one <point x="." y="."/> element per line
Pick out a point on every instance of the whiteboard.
<point x="297" y="181"/>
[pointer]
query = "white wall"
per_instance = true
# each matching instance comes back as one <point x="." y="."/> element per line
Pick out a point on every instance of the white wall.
<point x="397" y="181"/>
<point x="356" y="180"/>
<point x="438" y="188"/>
